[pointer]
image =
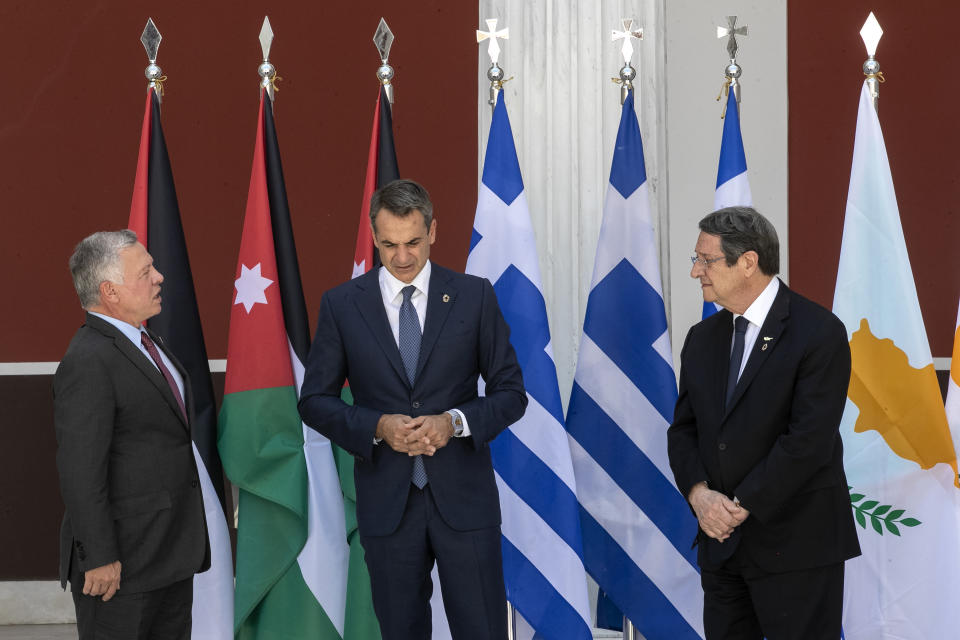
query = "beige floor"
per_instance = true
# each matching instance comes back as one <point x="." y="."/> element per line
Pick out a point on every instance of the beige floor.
<point x="38" y="632"/>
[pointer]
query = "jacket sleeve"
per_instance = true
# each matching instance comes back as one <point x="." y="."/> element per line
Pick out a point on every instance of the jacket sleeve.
<point x="683" y="442"/>
<point x="812" y="434"/>
<point x="505" y="399"/>
<point x="84" y="421"/>
<point x="321" y="407"/>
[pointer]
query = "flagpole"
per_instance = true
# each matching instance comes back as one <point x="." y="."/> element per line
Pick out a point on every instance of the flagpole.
<point x="495" y="76"/>
<point x="627" y="73"/>
<point x="151" y="42"/>
<point x="383" y="39"/>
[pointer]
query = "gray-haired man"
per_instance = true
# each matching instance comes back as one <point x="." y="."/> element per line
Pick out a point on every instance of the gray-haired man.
<point x="134" y="531"/>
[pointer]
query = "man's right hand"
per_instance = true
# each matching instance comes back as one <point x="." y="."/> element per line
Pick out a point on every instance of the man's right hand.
<point x="102" y="581"/>
<point x="393" y="429"/>
<point x="717" y="514"/>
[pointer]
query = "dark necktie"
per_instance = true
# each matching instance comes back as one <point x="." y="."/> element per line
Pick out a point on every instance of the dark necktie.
<point x="409" y="343"/>
<point x="155" y="354"/>
<point x="736" y="356"/>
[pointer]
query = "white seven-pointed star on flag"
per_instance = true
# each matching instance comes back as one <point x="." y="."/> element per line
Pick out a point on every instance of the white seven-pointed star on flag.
<point x="251" y="287"/>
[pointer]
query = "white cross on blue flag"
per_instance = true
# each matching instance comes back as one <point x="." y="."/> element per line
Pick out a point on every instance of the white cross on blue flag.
<point x="637" y="528"/>
<point x="542" y="547"/>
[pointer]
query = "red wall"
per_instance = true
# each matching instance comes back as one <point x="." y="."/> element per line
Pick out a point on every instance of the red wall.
<point x="918" y="113"/>
<point x="73" y="106"/>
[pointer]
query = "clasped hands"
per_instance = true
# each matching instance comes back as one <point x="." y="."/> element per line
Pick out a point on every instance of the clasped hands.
<point x="717" y="514"/>
<point x="422" y="435"/>
<point x="102" y="581"/>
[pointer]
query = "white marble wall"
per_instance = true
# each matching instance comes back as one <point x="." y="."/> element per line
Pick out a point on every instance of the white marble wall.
<point x="564" y="110"/>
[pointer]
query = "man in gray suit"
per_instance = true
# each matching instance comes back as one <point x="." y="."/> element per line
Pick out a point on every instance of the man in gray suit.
<point x="134" y="531"/>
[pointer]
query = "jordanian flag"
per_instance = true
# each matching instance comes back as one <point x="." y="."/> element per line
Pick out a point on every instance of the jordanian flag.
<point x="155" y="217"/>
<point x="291" y="548"/>
<point x="381" y="169"/>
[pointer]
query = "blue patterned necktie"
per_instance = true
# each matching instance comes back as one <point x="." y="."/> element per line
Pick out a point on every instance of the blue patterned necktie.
<point x="409" y="343"/>
<point x="736" y="357"/>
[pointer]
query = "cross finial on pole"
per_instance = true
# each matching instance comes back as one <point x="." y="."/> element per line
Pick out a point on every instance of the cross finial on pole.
<point x="627" y="35"/>
<point x="627" y="72"/>
<point x="731" y="31"/>
<point x="495" y="72"/>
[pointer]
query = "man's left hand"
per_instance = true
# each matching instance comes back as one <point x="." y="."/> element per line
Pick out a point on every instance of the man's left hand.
<point x="429" y="434"/>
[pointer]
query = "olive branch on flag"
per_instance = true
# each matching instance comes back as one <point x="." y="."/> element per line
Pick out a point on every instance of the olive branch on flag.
<point x="880" y="514"/>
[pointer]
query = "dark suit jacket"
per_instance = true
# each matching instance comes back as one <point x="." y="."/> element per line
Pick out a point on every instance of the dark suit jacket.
<point x="464" y="336"/>
<point x="776" y="447"/>
<point x="125" y="458"/>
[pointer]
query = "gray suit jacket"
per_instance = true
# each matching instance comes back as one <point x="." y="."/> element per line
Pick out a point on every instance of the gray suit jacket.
<point x="125" y="459"/>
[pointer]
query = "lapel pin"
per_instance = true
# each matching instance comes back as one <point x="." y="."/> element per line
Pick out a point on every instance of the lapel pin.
<point x="767" y="338"/>
<point x="764" y="347"/>
<point x="446" y="298"/>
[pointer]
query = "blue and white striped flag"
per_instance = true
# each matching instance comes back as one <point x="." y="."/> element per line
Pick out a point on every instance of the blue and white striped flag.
<point x="637" y="528"/>
<point x="733" y="187"/>
<point x="542" y="549"/>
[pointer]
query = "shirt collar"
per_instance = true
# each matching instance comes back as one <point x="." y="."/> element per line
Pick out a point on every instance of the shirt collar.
<point x="392" y="286"/>
<point x="127" y="329"/>
<point x="757" y="312"/>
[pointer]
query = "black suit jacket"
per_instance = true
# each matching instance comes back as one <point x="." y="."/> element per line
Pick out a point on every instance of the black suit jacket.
<point x="776" y="446"/>
<point x="464" y="336"/>
<point x="127" y="472"/>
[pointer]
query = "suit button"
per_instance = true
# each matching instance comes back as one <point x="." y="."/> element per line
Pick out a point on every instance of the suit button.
<point x="722" y="446"/>
<point x="194" y="483"/>
<point x="416" y="404"/>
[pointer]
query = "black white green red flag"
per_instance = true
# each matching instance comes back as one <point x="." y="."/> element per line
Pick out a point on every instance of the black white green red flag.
<point x="155" y="217"/>
<point x="291" y="548"/>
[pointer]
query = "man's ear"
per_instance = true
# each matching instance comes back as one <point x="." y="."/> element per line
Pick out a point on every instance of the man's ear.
<point x="750" y="261"/>
<point x="108" y="291"/>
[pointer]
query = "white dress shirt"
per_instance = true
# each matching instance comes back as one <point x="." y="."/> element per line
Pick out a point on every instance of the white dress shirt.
<point x="133" y="333"/>
<point x="391" y="290"/>
<point x="756" y="314"/>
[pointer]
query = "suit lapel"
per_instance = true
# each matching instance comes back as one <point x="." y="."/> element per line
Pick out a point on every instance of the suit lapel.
<point x="139" y="360"/>
<point x="767" y="341"/>
<point x="369" y="302"/>
<point x="439" y="302"/>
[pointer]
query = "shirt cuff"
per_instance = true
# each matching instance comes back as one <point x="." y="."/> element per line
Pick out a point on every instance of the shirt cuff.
<point x="460" y="427"/>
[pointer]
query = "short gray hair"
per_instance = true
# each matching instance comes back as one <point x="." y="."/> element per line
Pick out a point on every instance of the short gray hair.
<point x="401" y="197"/>
<point x="96" y="259"/>
<point x="743" y="229"/>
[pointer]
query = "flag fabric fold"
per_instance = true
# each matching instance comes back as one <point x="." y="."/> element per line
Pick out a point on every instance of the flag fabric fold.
<point x="291" y="544"/>
<point x="637" y="528"/>
<point x="733" y="186"/>
<point x="899" y="455"/>
<point x="542" y="546"/>
<point x="155" y="218"/>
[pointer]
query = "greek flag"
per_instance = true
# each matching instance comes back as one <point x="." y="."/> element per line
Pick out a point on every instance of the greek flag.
<point x="637" y="528"/>
<point x="733" y="187"/>
<point x="542" y="548"/>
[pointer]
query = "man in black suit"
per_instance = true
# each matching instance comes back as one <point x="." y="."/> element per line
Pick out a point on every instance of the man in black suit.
<point x="413" y="338"/>
<point x="134" y="532"/>
<point x="755" y="446"/>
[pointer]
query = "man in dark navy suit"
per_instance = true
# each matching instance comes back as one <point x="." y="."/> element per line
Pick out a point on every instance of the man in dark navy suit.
<point x="755" y="443"/>
<point x="134" y="532"/>
<point x="413" y="338"/>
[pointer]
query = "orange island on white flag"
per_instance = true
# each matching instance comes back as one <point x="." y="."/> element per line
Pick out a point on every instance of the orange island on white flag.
<point x="900" y="458"/>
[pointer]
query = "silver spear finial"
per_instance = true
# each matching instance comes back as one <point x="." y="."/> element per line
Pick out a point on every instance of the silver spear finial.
<point x="151" y="43"/>
<point x="871" y="33"/>
<point x="266" y="70"/>
<point x="383" y="40"/>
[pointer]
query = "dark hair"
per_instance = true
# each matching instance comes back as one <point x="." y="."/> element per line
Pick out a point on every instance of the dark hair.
<point x="401" y="197"/>
<point x="743" y="229"/>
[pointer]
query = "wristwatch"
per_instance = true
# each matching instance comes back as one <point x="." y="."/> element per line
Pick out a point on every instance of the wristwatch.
<point x="457" y="423"/>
